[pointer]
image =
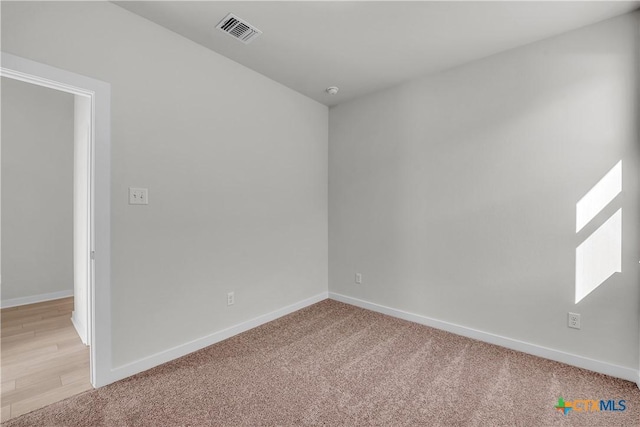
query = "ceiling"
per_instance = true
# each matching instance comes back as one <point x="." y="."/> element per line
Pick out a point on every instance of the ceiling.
<point x="366" y="46"/>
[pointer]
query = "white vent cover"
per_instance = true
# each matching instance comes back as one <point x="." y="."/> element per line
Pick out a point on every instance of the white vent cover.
<point x="238" y="28"/>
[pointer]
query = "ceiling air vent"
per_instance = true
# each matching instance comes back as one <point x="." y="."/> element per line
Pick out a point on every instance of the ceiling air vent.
<point x="238" y="28"/>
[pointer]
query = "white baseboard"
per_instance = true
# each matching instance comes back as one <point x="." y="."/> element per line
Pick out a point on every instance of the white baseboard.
<point x="200" y="343"/>
<point x="525" y="347"/>
<point x="15" y="302"/>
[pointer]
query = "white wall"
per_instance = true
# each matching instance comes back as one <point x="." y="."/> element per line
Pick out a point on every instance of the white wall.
<point x="455" y="195"/>
<point x="37" y="191"/>
<point x="236" y="167"/>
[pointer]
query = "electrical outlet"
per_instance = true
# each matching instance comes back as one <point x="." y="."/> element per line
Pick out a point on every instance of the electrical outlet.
<point x="573" y="320"/>
<point x="359" y="278"/>
<point x="230" y="298"/>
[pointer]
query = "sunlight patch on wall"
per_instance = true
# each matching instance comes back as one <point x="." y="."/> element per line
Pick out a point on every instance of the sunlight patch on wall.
<point x="599" y="257"/>
<point x="599" y="196"/>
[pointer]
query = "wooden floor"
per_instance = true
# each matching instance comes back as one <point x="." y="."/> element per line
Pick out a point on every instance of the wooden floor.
<point x="42" y="359"/>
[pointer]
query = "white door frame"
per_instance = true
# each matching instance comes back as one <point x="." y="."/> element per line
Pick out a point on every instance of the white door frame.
<point x="99" y="292"/>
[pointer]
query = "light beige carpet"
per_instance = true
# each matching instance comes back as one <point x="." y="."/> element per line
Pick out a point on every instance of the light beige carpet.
<point x="334" y="364"/>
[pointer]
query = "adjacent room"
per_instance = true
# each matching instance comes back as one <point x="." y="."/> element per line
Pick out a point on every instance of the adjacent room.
<point x="320" y="213"/>
<point x="44" y="356"/>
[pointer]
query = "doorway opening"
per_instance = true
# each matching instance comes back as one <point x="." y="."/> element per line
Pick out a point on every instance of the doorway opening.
<point x="44" y="177"/>
<point x="91" y="208"/>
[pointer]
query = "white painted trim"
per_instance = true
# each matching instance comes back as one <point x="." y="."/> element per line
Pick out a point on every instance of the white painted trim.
<point x="100" y="287"/>
<point x="525" y="347"/>
<point x="80" y="329"/>
<point x="200" y="343"/>
<point x="15" y="302"/>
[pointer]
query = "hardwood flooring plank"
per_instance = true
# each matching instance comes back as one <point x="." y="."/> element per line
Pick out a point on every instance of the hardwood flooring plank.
<point x="50" y="303"/>
<point x="20" y="320"/>
<point x="22" y="356"/>
<point x="39" y="341"/>
<point x="7" y="340"/>
<point x="79" y="374"/>
<point x="70" y="344"/>
<point x="49" y="397"/>
<point x="10" y="331"/>
<point x="7" y="386"/>
<point x="42" y="358"/>
<point x="46" y="324"/>
<point x="61" y="371"/>
<point x="44" y="364"/>
<point x="61" y="332"/>
<point x="10" y="319"/>
<point x="5" y="413"/>
<point x="27" y="310"/>
<point x="22" y="393"/>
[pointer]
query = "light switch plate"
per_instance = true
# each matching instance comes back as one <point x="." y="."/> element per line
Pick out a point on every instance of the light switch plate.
<point x="138" y="196"/>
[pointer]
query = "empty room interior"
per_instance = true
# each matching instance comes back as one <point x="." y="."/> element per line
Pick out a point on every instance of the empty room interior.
<point x="320" y="213"/>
